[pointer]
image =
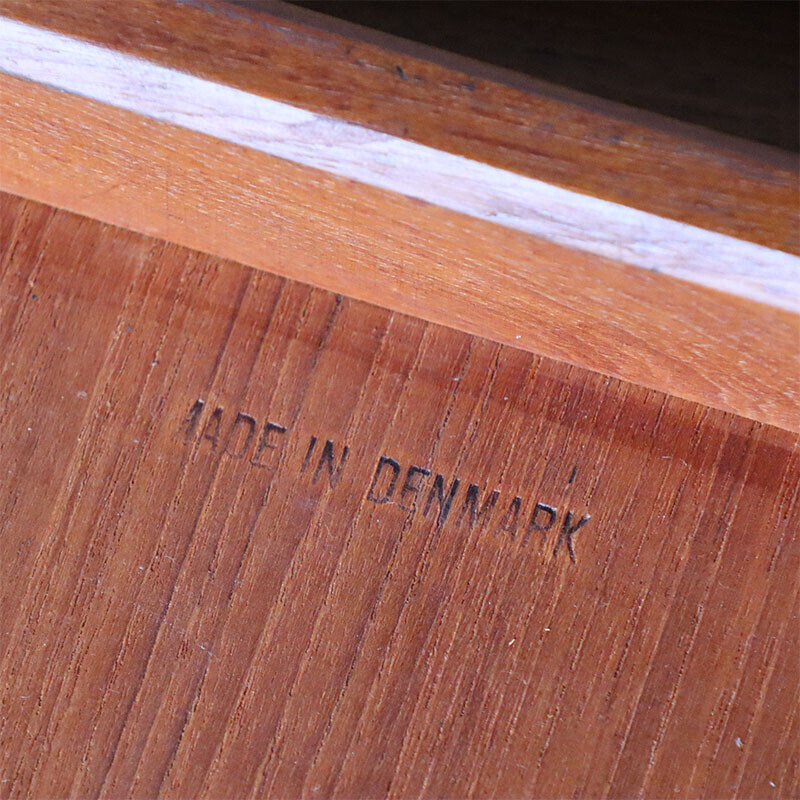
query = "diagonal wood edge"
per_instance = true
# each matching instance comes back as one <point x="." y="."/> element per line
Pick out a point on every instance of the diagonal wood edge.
<point x="567" y="218"/>
<point x="542" y="290"/>
<point x="305" y="17"/>
<point x="555" y="136"/>
<point x="399" y="253"/>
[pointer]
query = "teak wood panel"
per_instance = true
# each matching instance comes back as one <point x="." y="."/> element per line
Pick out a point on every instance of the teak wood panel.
<point x="460" y="106"/>
<point x="656" y="327"/>
<point x="199" y="599"/>
<point x="413" y="257"/>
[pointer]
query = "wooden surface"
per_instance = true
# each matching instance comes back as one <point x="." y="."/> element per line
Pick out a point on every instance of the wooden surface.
<point x="189" y="611"/>
<point x="576" y="221"/>
<point x="566" y="298"/>
<point x="729" y="353"/>
<point x="626" y="235"/>
<point x="728" y="66"/>
<point x="541" y="131"/>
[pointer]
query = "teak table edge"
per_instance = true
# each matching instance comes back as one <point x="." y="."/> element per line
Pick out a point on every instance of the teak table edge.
<point x="530" y="220"/>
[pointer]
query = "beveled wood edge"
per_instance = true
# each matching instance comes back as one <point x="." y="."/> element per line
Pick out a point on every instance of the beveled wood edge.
<point x="539" y="132"/>
<point x="780" y="355"/>
<point x="567" y="218"/>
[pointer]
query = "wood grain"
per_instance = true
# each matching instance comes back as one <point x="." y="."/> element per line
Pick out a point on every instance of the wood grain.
<point x="558" y="136"/>
<point x="730" y="67"/>
<point x="187" y="611"/>
<point x="399" y="253"/>
<point x="480" y="191"/>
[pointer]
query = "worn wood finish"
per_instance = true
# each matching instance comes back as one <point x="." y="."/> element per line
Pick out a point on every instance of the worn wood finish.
<point x="562" y="296"/>
<point x="593" y="225"/>
<point x="480" y="191"/>
<point x="416" y="258"/>
<point x="531" y="128"/>
<point x="187" y="611"/>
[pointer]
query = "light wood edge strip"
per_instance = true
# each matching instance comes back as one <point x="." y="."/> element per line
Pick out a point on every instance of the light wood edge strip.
<point x="564" y="217"/>
<point x="557" y="138"/>
<point x="398" y="252"/>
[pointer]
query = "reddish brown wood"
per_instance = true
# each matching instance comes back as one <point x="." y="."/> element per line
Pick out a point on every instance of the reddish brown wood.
<point x="558" y="300"/>
<point x="397" y="252"/>
<point x="534" y="128"/>
<point x="177" y="620"/>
